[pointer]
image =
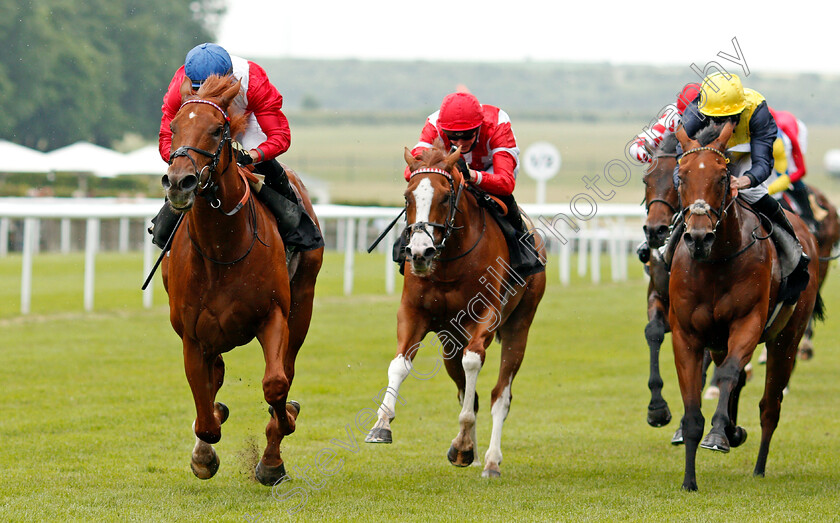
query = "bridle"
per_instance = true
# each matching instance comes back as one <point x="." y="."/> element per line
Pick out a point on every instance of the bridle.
<point x="649" y="204"/>
<point x="704" y="209"/>
<point x="447" y="227"/>
<point x="208" y="188"/>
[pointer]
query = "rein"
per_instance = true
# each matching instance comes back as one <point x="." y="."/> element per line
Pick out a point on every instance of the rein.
<point x="254" y="238"/>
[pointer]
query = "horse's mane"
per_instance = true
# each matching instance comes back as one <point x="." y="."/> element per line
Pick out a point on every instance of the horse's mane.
<point x="213" y="88"/>
<point x="708" y="134"/>
<point x="434" y="155"/>
<point x="669" y="144"/>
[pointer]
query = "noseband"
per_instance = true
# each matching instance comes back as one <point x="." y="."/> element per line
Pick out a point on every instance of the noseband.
<point x="704" y="209"/>
<point x="214" y="157"/>
<point x="447" y="227"/>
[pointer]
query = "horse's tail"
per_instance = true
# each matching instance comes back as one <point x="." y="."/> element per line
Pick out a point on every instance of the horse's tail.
<point x="819" y="308"/>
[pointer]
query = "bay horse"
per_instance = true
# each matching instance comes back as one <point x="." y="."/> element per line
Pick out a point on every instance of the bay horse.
<point x="828" y="236"/>
<point x="227" y="276"/>
<point x="661" y="205"/>
<point x="459" y="286"/>
<point x="725" y="280"/>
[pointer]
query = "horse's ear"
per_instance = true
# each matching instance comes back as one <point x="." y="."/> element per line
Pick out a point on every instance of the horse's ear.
<point x="683" y="138"/>
<point x="230" y="93"/>
<point x="452" y="158"/>
<point x="724" y="136"/>
<point x="186" y="89"/>
<point x="410" y="160"/>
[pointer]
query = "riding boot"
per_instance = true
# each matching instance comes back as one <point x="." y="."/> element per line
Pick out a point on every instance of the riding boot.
<point x="398" y="253"/>
<point x="798" y="278"/>
<point x="670" y="246"/>
<point x="800" y="196"/>
<point x="163" y="224"/>
<point x="643" y="252"/>
<point x="288" y="214"/>
<point x="277" y="179"/>
<point x="524" y="257"/>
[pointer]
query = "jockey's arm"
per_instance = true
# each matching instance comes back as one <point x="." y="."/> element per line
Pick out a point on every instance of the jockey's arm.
<point x="763" y="133"/>
<point x="666" y="124"/>
<point x="797" y="160"/>
<point x="267" y="103"/>
<point x="171" y="104"/>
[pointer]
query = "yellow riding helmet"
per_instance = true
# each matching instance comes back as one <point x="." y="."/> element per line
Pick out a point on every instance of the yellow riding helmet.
<point x="722" y="95"/>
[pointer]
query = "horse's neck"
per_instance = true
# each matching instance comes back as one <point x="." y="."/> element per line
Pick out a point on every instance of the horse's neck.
<point x="734" y="229"/>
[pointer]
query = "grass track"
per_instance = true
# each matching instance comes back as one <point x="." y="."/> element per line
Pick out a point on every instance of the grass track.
<point x="96" y="424"/>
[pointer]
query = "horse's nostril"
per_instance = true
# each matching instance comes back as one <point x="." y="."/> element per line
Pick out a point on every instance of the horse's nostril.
<point x="429" y="252"/>
<point x="662" y="231"/>
<point x="189" y="183"/>
<point x="688" y="239"/>
<point x="709" y="238"/>
<point x="164" y="181"/>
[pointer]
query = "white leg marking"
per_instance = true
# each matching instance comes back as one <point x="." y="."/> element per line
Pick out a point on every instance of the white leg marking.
<point x="472" y="365"/>
<point x="398" y="371"/>
<point x="499" y="411"/>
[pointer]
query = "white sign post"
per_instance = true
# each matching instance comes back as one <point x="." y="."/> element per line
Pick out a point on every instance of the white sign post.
<point x="541" y="162"/>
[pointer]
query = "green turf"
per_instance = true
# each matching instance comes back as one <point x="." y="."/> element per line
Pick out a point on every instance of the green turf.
<point x="97" y="414"/>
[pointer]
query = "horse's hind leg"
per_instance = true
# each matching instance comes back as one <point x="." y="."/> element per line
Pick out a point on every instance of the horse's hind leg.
<point x="514" y="335"/>
<point x="806" y="346"/>
<point x="780" y="362"/>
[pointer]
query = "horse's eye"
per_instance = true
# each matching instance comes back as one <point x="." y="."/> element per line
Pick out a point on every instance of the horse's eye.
<point x="217" y="132"/>
<point x="446" y="198"/>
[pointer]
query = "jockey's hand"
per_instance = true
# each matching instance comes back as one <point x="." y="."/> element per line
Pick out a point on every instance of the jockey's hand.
<point x="741" y="182"/>
<point x="243" y="155"/>
<point x="465" y="171"/>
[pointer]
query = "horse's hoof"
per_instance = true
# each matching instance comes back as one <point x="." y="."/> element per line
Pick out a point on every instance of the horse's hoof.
<point x="460" y="458"/>
<point x="715" y="442"/>
<point x="295" y="405"/>
<point x="269" y="476"/>
<point x="678" y="438"/>
<point x="659" y="417"/>
<point x="223" y="410"/>
<point x="491" y="473"/>
<point x="205" y="470"/>
<point x="712" y="393"/>
<point x="379" y="435"/>
<point x="738" y="437"/>
<point x="690" y="486"/>
<point x="806" y="353"/>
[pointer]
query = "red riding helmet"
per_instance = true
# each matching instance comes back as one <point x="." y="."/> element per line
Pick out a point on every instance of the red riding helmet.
<point x="460" y="112"/>
<point x="686" y="96"/>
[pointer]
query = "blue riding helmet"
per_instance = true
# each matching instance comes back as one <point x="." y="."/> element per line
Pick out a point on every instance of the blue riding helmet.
<point x="205" y="60"/>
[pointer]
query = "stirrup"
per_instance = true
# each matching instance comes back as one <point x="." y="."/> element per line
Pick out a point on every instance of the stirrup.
<point x="643" y="252"/>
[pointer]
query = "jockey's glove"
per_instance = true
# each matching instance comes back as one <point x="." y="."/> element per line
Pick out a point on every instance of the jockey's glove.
<point x="243" y="156"/>
<point x="462" y="166"/>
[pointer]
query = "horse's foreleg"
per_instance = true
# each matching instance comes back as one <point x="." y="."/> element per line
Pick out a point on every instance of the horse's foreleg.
<point x="688" y="358"/>
<point x="410" y="331"/>
<point x="658" y="414"/>
<point x="274" y="338"/>
<point x="743" y="338"/>
<point x="202" y="376"/>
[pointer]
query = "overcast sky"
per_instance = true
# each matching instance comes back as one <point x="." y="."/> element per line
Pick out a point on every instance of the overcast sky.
<point x="793" y="36"/>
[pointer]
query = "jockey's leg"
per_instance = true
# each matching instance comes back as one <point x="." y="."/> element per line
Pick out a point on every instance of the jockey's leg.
<point x="524" y="257"/>
<point x="799" y="192"/>
<point x="275" y="194"/>
<point x="770" y="207"/>
<point x="163" y="224"/>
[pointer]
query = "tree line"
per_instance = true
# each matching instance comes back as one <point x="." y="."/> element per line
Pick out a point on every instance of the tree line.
<point x="92" y="69"/>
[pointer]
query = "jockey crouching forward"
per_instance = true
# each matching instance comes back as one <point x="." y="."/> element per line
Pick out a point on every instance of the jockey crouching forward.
<point x="265" y="137"/>
<point x="489" y="161"/>
<point x="723" y="99"/>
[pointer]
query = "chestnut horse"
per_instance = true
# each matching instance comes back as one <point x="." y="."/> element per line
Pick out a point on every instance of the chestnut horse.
<point x="725" y="280"/>
<point x="227" y="276"/>
<point x="459" y="286"/>
<point x="661" y="204"/>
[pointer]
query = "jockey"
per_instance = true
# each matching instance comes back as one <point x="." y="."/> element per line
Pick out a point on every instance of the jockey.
<point x="489" y="161"/>
<point x="795" y="138"/>
<point x="667" y="124"/>
<point x="649" y="140"/>
<point x="724" y="99"/>
<point x="265" y="137"/>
